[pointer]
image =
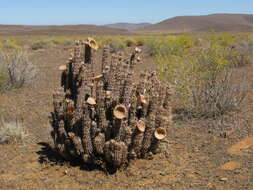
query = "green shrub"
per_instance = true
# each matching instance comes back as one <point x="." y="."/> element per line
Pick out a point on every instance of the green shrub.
<point x="130" y="42"/>
<point x="169" y="45"/>
<point x="140" y="41"/>
<point x="203" y="81"/>
<point x="116" y="44"/>
<point x="62" y="41"/>
<point x="152" y="47"/>
<point x="67" y="43"/>
<point x="39" y="45"/>
<point x="11" y="44"/>
<point x="224" y="40"/>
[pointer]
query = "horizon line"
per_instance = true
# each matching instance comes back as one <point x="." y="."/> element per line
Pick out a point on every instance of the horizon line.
<point x="122" y="22"/>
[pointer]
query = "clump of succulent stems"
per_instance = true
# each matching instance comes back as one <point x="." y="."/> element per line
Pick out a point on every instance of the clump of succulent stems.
<point x="110" y="118"/>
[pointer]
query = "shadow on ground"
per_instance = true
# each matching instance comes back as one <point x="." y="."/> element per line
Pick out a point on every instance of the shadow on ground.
<point x="49" y="155"/>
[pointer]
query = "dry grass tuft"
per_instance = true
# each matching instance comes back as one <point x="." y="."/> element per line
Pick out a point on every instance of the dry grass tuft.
<point x="12" y="132"/>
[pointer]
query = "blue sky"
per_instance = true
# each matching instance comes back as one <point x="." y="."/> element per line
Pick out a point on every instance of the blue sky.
<point x="50" y="12"/>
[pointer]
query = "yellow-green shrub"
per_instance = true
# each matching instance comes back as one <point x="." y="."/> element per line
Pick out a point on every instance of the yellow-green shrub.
<point x="203" y="81"/>
<point x="116" y="43"/>
<point x="11" y="43"/>
<point x="170" y="45"/>
<point x="130" y="42"/>
<point x="140" y="41"/>
<point x="42" y="44"/>
<point x="61" y="41"/>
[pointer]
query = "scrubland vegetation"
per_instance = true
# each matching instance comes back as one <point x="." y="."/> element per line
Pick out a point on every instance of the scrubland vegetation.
<point x="200" y="67"/>
<point x="202" y="71"/>
<point x="181" y="58"/>
<point x="212" y="111"/>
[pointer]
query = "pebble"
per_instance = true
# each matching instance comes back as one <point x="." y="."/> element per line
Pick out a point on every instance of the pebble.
<point x="223" y="179"/>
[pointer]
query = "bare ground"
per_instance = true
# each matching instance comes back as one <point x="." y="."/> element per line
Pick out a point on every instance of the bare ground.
<point x="196" y="159"/>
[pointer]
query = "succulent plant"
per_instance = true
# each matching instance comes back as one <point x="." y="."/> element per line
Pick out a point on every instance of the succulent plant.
<point x="109" y="118"/>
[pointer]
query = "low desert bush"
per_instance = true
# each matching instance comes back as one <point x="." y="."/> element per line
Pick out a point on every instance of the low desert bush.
<point x="224" y="40"/>
<point x="169" y="45"/>
<point x="62" y="41"/>
<point x="67" y="42"/>
<point x="130" y="42"/>
<point x="16" y="70"/>
<point x="116" y="44"/>
<point x="40" y="45"/>
<point x="204" y="81"/>
<point x="12" y="132"/>
<point x="151" y="46"/>
<point x="140" y="41"/>
<point x="11" y="43"/>
<point x="242" y="53"/>
<point x="239" y="48"/>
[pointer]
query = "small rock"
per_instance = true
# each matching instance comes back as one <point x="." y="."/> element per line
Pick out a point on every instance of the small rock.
<point x="195" y="149"/>
<point x="223" y="179"/>
<point x="162" y="174"/>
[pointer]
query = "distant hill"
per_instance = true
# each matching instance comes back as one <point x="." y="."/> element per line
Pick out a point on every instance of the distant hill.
<point x="180" y="24"/>
<point x="58" y="30"/>
<point x="215" y="22"/>
<point x="127" y="26"/>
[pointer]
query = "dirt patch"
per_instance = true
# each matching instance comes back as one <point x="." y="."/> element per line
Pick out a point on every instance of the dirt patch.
<point x="239" y="147"/>
<point x="231" y="165"/>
